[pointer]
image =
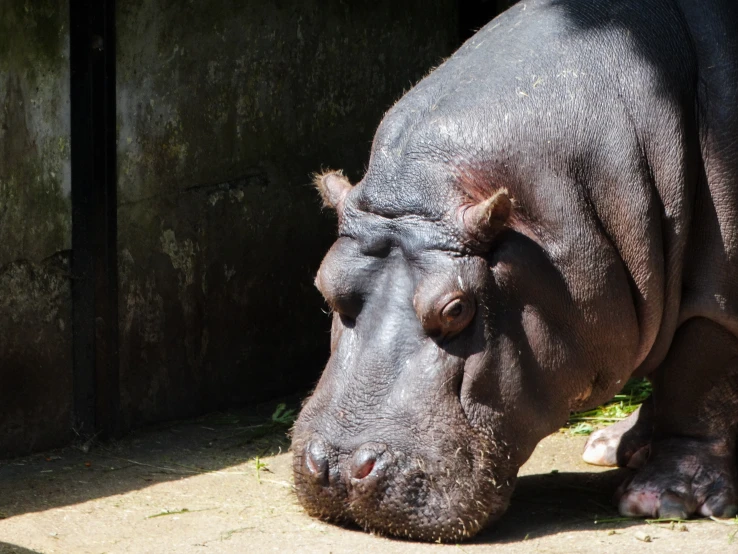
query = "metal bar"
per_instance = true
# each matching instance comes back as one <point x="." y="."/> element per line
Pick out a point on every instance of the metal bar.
<point x="94" y="217"/>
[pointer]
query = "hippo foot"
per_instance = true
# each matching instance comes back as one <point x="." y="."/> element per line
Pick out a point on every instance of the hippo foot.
<point x="625" y="443"/>
<point x="682" y="478"/>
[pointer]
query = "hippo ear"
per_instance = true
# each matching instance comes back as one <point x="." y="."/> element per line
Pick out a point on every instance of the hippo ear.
<point x="484" y="220"/>
<point x="333" y="188"/>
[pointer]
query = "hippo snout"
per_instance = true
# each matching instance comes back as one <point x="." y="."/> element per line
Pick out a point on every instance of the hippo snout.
<point x="405" y="492"/>
<point x="368" y="463"/>
<point x="340" y="484"/>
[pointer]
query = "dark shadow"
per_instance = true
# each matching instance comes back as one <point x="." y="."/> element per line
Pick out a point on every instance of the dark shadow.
<point x="6" y="548"/>
<point x="558" y="502"/>
<point x="146" y="457"/>
<point x="475" y="14"/>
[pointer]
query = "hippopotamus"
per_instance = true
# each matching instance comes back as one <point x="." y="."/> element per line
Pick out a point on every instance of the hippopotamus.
<point x="549" y="213"/>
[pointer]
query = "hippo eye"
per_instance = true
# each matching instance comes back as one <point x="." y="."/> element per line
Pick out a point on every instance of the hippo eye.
<point x="451" y="314"/>
<point x="455" y="314"/>
<point x="347" y="306"/>
<point x="452" y="310"/>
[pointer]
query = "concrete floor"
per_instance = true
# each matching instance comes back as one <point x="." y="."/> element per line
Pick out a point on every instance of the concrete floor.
<point x="192" y="487"/>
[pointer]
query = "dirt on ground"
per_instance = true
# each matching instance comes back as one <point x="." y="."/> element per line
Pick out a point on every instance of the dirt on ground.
<point x="223" y="483"/>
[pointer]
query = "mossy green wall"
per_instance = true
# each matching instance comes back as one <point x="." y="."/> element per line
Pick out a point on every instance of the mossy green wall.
<point x="35" y="226"/>
<point x="224" y="110"/>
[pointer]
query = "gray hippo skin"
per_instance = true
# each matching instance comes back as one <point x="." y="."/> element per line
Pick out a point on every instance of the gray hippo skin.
<point x="549" y="213"/>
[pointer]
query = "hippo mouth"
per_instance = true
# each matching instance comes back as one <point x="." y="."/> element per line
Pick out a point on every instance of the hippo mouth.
<point x="448" y="497"/>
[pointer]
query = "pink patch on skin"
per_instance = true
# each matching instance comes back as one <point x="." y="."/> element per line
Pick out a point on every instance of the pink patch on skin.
<point x="365" y="469"/>
<point x="705" y="510"/>
<point x="311" y="465"/>
<point x="639" y="504"/>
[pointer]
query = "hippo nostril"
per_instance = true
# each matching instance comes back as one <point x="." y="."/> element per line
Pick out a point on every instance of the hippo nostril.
<point x="361" y="471"/>
<point x="364" y="462"/>
<point x="316" y="460"/>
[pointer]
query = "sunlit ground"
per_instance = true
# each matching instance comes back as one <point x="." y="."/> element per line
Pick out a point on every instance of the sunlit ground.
<point x="220" y="484"/>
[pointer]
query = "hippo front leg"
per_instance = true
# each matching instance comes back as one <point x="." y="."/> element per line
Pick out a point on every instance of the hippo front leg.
<point x="691" y="469"/>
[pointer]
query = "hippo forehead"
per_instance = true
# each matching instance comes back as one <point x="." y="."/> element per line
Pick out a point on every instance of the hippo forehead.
<point x="413" y="233"/>
<point x="409" y="205"/>
<point x="420" y="177"/>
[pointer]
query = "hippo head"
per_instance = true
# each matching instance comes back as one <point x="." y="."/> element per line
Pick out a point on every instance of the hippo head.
<point x="445" y="367"/>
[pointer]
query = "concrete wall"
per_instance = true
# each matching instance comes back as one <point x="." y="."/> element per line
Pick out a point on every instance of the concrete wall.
<point x="35" y="226"/>
<point x="225" y="108"/>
